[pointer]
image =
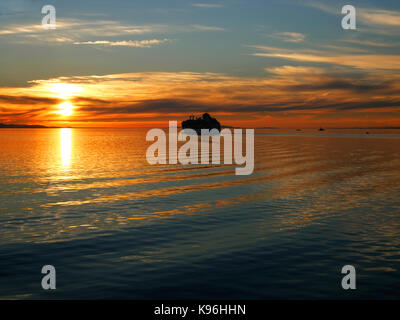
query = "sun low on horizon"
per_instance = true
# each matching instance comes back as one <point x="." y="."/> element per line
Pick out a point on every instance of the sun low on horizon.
<point x="65" y="109"/>
<point x="65" y="92"/>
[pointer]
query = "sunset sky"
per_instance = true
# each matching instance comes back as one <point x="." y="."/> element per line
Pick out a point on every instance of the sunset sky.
<point x="252" y="63"/>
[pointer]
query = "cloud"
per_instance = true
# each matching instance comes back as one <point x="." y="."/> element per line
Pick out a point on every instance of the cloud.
<point x="85" y="27"/>
<point x="207" y="5"/>
<point x="340" y="84"/>
<point x="69" y="31"/>
<point x="207" y="28"/>
<point x="82" y="32"/>
<point x="19" y="106"/>
<point x="286" y="71"/>
<point x="290" y="36"/>
<point x="21" y="29"/>
<point x="129" y="43"/>
<point x="379" y="17"/>
<point x="82" y="29"/>
<point x="159" y="96"/>
<point x="369" y="43"/>
<point x="378" y="20"/>
<point x="360" y="61"/>
<point x="386" y="62"/>
<point x="27" y="100"/>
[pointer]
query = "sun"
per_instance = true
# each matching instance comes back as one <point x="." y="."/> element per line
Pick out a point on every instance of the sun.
<point x="66" y="109"/>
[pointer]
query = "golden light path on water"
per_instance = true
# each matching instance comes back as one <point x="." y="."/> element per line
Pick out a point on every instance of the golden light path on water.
<point x="65" y="147"/>
<point x="88" y="199"/>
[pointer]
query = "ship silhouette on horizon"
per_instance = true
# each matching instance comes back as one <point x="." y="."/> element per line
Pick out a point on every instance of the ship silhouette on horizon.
<point x="203" y="122"/>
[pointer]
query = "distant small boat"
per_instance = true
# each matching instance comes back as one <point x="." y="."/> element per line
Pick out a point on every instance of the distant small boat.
<point x="321" y="129"/>
<point x="203" y="122"/>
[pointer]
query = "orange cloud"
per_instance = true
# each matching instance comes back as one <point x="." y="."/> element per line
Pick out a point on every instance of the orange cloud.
<point x="367" y="61"/>
<point x="290" y="96"/>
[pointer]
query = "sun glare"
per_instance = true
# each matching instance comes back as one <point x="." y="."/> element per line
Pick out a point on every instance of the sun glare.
<point x="65" y="146"/>
<point x="66" y="109"/>
<point x="64" y="90"/>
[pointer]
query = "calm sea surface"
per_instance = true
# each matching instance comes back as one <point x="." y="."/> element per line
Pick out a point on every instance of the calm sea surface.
<point x="87" y="202"/>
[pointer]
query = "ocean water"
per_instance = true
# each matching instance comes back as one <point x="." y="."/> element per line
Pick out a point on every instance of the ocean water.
<point x="113" y="226"/>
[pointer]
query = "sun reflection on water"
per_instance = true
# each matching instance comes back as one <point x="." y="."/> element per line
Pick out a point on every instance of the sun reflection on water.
<point x="65" y="147"/>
